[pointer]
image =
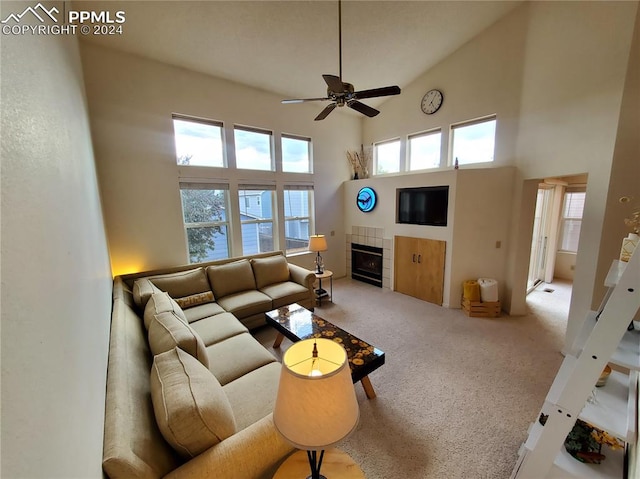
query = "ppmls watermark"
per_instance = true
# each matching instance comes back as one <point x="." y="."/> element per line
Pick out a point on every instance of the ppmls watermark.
<point x="39" y="20"/>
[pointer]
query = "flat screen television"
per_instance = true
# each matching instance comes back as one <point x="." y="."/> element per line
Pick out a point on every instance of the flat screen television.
<point x="426" y="205"/>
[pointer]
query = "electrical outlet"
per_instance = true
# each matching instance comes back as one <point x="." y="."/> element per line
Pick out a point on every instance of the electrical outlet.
<point x="498" y="244"/>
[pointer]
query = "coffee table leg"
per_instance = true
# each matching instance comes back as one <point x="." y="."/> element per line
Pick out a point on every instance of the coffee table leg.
<point x="278" y="341"/>
<point x="368" y="388"/>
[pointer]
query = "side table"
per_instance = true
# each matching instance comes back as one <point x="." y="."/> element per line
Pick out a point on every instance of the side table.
<point x="321" y="293"/>
<point x="336" y="464"/>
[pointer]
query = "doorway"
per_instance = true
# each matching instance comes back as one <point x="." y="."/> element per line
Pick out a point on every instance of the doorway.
<point x="542" y="222"/>
<point x="554" y="243"/>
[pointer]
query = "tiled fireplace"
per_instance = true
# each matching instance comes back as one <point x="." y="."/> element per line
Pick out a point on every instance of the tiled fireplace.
<point x="371" y="249"/>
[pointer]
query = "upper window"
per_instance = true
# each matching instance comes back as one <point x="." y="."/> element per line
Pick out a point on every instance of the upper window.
<point x="424" y="150"/>
<point x="256" y="218"/>
<point x="473" y="142"/>
<point x="204" y="209"/>
<point x="297" y="217"/>
<point x="387" y="157"/>
<point x="253" y="149"/>
<point x="198" y="142"/>
<point x="296" y="157"/>
<point x="571" y="220"/>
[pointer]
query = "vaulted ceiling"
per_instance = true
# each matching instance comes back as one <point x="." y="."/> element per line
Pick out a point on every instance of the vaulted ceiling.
<point x="285" y="46"/>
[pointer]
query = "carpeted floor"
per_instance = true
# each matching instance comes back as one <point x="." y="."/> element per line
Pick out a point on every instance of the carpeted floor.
<point x="456" y="394"/>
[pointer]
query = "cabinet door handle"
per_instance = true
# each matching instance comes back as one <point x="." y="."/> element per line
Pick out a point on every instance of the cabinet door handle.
<point x="419" y="258"/>
<point x="413" y="259"/>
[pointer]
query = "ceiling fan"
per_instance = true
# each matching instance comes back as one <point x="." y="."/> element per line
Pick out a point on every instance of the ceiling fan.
<point x="341" y="93"/>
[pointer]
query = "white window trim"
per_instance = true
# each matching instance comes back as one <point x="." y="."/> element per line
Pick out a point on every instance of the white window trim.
<point x="420" y="135"/>
<point x="475" y="121"/>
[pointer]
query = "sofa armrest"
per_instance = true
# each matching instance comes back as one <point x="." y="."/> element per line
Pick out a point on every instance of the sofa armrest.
<point x="302" y="276"/>
<point x="253" y="453"/>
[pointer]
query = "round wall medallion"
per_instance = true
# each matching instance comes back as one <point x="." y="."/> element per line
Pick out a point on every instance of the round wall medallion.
<point x="366" y="199"/>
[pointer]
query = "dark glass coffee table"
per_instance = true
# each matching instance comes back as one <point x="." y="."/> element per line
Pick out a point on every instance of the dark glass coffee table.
<point x="297" y="323"/>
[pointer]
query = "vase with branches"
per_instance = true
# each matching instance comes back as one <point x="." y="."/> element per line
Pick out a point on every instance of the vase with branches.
<point x="359" y="161"/>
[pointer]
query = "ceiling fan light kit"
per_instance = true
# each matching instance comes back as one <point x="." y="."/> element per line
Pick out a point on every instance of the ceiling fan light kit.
<point x="342" y="93"/>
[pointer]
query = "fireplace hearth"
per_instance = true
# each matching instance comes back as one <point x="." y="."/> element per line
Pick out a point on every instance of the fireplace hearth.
<point x="366" y="264"/>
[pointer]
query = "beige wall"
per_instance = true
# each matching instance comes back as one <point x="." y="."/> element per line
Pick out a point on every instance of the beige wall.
<point x="553" y="73"/>
<point x="576" y="57"/>
<point x="131" y="101"/>
<point x="56" y="281"/>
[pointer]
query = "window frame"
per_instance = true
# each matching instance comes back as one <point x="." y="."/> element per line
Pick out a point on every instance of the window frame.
<point x="565" y="219"/>
<point x="376" y="145"/>
<point x="423" y="134"/>
<point x="261" y="131"/>
<point x="259" y="221"/>
<point x="310" y="217"/>
<point x="202" y="121"/>
<point x="226" y="223"/>
<point x="463" y="124"/>
<point x="309" y="153"/>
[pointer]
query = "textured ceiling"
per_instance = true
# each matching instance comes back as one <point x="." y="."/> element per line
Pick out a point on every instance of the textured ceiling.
<point x="285" y="46"/>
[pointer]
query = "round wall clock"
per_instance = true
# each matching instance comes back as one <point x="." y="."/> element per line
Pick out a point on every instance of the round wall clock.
<point x="432" y="101"/>
<point x="366" y="199"/>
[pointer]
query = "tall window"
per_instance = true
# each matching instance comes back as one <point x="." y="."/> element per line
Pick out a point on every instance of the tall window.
<point x="253" y="148"/>
<point x="256" y="218"/>
<point x="204" y="209"/>
<point x="387" y="156"/>
<point x="296" y="154"/>
<point x="571" y="220"/>
<point x="198" y="142"/>
<point x="297" y="217"/>
<point x="473" y="142"/>
<point x="424" y="150"/>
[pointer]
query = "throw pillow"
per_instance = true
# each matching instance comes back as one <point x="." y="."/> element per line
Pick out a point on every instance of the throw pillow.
<point x="270" y="270"/>
<point x="230" y="278"/>
<point x="142" y="291"/>
<point x="160" y="303"/>
<point x="167" y="330"/>
<point x="182" y="283"/>
<point x="190" y="406"/>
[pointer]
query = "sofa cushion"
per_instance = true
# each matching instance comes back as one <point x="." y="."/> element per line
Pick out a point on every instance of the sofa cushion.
<point x="269" y="270"/>
<point x="283" y="294"/>
<point x="167" y="330"/>
<point x="183" y="284"/>
<point x="202" y="311"/>
<point x="230" y="278"/>
<point x="242" y="393"/>
<point x="191" y="409"/>
<point x="142" y="291"/>
<point x="237" y="356"/>
<point x="246" y="303"/>
<point x="218" y="328"/>
<point x="160" y="303"/>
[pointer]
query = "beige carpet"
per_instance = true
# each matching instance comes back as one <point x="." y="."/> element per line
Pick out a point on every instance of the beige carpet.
<point x="457" y="394"/>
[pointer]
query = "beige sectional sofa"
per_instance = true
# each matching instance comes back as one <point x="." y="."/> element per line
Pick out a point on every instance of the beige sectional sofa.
<point x="189" y="390"/>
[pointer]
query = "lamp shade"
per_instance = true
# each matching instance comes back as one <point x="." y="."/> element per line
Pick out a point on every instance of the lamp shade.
<point x="317" y="243"/>
<point x="316" y="406"/>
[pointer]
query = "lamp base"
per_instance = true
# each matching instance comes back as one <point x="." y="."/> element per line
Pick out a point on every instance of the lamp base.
<point x="318" y="477"/>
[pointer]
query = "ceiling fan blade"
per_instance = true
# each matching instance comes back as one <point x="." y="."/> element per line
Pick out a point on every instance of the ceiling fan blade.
<point x="302" y="100"/>
<point x="375" y="92"/>
<point x="334" y="83"/>
<point x="362" y="108"/>
<point x="324" y="113"/>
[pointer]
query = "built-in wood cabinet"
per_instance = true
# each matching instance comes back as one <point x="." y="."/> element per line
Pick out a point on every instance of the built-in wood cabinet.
<point x="419" y="268"/>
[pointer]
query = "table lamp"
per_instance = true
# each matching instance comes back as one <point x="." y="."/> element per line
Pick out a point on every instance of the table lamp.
<point x="316" y="405"/>
<point x="318" y="243"/>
